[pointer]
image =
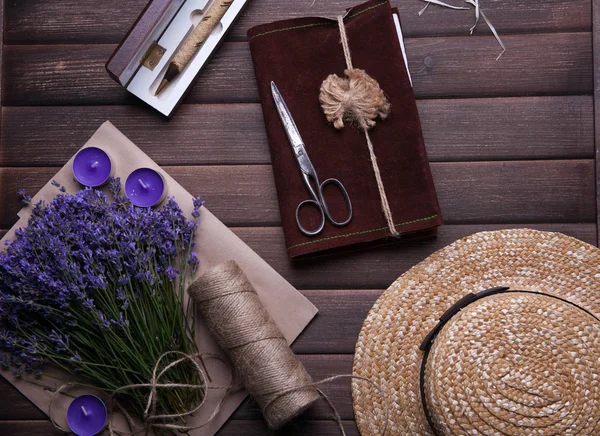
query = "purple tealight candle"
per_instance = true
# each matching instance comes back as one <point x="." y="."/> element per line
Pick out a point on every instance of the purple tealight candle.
<point x="145" y="187"/>
<point x="92" y="167"/>
<point x="86" y="415"/>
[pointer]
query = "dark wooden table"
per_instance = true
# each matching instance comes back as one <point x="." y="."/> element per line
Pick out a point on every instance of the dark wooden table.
<point x="511" y="144"/>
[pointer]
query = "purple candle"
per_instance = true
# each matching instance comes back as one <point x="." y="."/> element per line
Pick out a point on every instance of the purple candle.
<point x="86" y="415"/>
<point x="145" y="187"/>
<point x="92" y="167"/>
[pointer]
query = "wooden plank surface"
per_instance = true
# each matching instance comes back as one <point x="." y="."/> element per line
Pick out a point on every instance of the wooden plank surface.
<point x="498" y="192"/>
<point x="370" y="269"/>
<point x="524" y="158"/>
<point x="460" y="66"/>
<point x="92" y="22"/>
<point x="222" y="134"/>
<point x="1" y="58"/>
<point x="376" y="268"/>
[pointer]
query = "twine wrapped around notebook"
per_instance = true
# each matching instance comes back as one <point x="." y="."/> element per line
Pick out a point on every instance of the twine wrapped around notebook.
<point x="357" y="98"/>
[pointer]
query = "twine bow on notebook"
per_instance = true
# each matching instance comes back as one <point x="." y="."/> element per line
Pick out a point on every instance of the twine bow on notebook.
<point x="357" y="98"/>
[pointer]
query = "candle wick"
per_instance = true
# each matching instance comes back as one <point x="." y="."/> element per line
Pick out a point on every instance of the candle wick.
<point x="84" y="411"/>
<point x="144" y="186"/>
<point x="95" y="164"/>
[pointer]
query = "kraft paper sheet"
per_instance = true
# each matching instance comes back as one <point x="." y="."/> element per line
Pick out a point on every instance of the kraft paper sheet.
<point x="215" y="244"/>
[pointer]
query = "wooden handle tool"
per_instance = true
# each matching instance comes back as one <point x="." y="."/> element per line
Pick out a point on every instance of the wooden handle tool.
<point x="194" y="41"/>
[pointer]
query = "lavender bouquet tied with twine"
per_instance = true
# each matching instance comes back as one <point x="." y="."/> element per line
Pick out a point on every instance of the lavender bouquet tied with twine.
<point x="96" y="288"/>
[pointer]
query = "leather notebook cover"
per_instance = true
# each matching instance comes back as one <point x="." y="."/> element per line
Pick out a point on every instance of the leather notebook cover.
<point x="298" y="55"/>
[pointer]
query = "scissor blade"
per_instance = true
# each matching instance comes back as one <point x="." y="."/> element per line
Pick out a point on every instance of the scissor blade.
<point x="286" y="118"/>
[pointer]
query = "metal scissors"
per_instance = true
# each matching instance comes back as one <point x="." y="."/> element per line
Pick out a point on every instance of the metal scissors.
<point x="309" y="174"/>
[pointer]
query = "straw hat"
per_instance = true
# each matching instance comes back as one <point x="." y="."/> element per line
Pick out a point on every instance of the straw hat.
<point x="522" y="361"/>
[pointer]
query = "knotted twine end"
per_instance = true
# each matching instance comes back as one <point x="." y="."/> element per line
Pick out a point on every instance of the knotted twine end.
<point x="356" y="98"/>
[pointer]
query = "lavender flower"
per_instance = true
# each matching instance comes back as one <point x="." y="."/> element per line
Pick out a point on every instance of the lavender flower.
<point x="103" y="321"/>
<point x="89" y="279"/>
<point x="171" y="273"/>
<point x="193" y="259"/>
<point x="25" y="199"/>
<point x="61" y="342"/>
<point x="114" y="185"/>
<point x="198" y="203"/>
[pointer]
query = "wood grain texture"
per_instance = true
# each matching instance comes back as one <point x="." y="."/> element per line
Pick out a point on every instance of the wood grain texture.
<point x="2" y="16"/>
<point x="15" y="406"/>
<point x="231" y="428"/>
<point x="479" y="192"/>
<point x="370" y="269"/>
<point x="539" y="134"/>
<point x="92" y="22"/>
<point x="440" y="67"/>
<point x="29" y="428"/>
<point x="221" y="134"/>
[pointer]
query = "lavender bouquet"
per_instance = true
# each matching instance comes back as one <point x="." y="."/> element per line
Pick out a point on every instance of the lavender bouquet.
<point x="95" y="287"/>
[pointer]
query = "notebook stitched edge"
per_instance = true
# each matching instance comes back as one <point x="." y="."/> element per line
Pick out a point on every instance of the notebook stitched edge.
<point x="316" y="24"/>
<point x="361" y="233"/>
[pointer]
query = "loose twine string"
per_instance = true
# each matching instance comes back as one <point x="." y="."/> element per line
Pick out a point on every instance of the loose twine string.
<point x="150" y="416"/>
<point x="478" y="12"/>
<point x="357" y="98"/>
<point x="259" y="353"/>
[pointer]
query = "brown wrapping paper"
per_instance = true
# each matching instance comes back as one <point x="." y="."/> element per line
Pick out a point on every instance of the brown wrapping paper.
<point x="215" y="244"/>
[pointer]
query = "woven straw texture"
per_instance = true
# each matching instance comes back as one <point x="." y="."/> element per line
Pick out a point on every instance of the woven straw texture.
<point x="509" y="364"/>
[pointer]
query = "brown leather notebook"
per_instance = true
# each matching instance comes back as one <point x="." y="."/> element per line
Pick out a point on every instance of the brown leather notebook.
<point x="298" y="55"/>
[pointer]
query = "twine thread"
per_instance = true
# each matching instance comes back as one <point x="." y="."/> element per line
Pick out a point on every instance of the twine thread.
<point x="266" y="365"/>
<point x="150" y="417"/>
<point x="358" y="98"/>
<point x="345" y="43"/>
<point x="259" y="354"/>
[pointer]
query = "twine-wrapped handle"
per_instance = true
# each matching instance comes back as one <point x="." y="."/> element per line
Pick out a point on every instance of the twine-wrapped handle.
<point x="357" y="98"/>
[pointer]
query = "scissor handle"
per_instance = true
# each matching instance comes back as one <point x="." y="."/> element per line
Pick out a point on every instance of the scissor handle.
<point x="321" y="204"/>
<point x="342" y="189"/>
<point x="321" y="226"/>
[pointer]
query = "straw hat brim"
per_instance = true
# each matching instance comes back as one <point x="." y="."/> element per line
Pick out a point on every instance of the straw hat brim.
<point x="387" y="351"/>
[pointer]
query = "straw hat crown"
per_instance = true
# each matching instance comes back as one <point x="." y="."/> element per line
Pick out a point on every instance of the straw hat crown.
<point x="524" y="361"/>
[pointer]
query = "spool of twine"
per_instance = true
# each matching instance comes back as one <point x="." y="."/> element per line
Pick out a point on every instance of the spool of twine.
<point x="258" y="351"/>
